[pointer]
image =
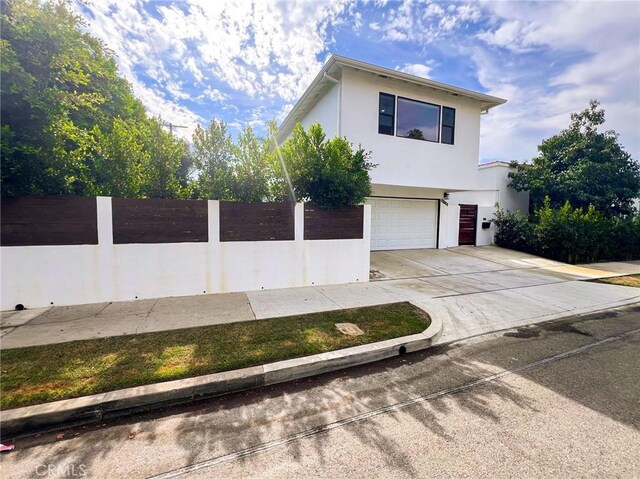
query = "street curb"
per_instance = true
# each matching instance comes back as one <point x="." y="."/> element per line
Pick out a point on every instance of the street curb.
<point x="88" y="409"/>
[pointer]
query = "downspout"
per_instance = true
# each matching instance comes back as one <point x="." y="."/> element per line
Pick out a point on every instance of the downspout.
<point x="339" y="83"/>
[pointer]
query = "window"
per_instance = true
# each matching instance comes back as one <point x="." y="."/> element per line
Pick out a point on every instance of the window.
<point x="448" y="125"/>
<point x="418" y="120"/>
<point x="386" y="114"/>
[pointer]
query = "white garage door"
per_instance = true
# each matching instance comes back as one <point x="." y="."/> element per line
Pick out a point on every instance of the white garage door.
<point x="403" y="224"/>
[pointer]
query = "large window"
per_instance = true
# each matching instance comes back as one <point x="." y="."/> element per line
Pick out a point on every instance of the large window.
<point x="448" y="125"/>
<point x="418" y="120"/>
<point x="386" y="114"/>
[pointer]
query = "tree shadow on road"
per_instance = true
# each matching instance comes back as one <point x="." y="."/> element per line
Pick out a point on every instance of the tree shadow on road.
<point x="214" y="427"/>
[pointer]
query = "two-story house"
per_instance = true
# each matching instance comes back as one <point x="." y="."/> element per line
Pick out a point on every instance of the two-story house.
<point x="424" y="137"/>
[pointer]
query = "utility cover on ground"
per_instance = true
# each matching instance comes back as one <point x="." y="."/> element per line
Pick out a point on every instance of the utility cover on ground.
<point x="349" y="329"/>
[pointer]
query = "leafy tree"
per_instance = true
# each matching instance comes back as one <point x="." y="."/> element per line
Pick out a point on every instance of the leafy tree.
<point x="327" y="172"/>
<point x="70" y="124"/>
<point x="415" y="133"/>
<point x="57" y="85"/>
<point x="164" y="166"/>
<point x="582" y="166"/>
<point x="119" y="159"/>
<point x="251" y="167"/>
<point x="212" y="152"/>
<point x="228" y="170"/>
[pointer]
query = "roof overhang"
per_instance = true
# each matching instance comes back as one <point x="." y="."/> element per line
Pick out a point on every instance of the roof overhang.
<point x="323" y="82"/>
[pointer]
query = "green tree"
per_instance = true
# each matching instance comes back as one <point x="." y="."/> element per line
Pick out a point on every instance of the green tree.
<point x="70" y="124"/>
<point x="58" y="84"/>
<point x="163" y="171"/>
<point x="250" y="167"/>
<point x="582" y="166"/>
<point x="330" y="173"/>
<point x="119" y="159"/>
<point x="212" y="152"/>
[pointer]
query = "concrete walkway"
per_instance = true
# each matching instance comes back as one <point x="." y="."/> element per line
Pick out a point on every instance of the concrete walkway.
<point x="473" y="290"/>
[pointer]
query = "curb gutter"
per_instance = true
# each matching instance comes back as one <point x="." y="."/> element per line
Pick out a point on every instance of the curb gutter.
<point x="83" y="410"/>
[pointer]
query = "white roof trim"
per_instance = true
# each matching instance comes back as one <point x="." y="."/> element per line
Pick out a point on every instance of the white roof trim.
<point x="487" y="101"/>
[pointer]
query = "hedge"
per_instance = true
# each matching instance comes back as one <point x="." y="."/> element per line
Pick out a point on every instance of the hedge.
<point x="571" y="235"/>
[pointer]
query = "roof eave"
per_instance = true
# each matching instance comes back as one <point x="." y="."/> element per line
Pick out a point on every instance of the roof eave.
<point x="285" y="127"/>
<point x="487" y="102"/>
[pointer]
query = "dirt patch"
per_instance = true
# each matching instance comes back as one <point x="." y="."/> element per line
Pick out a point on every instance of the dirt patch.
<point x="632" y="280"/>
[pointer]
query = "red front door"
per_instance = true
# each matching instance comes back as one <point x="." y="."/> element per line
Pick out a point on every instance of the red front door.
<point x="467" y="228"/>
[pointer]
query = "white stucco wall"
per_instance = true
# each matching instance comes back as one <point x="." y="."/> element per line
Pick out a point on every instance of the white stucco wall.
<point x="325" y="112"/>
<point x="492" y="187"/>
<point x="38" y="276"/>
<point x="494" y="176"/>
<point x="403" y="161"/>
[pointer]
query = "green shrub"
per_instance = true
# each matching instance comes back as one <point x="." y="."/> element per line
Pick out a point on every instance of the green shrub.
<point x="513" y="230"/>
<point x="570" y="235"/>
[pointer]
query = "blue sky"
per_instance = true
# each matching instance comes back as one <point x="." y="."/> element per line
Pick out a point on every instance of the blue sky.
<point x="247" y="62"/>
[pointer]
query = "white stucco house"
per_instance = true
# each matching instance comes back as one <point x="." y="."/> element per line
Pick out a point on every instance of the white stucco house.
<point x="428" y="190"/>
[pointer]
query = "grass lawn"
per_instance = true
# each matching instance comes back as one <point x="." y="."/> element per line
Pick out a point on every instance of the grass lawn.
<point x="42" y="374"/>
<point x="631" y="280"/>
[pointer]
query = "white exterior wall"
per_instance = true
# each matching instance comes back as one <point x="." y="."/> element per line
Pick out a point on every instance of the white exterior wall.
<point x="38" y="276"/>
<point x="325" y="112"/>
<point x="495" y="176"/>
<point x="403" y="161"/>
<point x="492" y="187"/>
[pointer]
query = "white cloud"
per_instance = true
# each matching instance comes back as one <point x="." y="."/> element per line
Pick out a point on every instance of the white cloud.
<point x="213" y="94"/>
<point x="603" y="34"/>
<point x="433" y="10"/>
<point x="250" y="45"/>
<point x="175" y="89"/>
<point x="417" y="69"/>
<point x="259" y="49"/>
<point x="191" y="65"/>
<point x="424" y="21"/>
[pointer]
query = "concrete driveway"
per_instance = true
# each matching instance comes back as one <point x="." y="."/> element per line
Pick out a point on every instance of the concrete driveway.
<point x="431" y="273"/>
<point x="476" y="290"/>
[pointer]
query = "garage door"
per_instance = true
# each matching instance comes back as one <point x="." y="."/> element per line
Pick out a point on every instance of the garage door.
<point x="403" y="224"/>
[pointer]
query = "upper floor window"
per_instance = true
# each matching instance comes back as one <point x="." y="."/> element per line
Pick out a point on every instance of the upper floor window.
<point x="448" y="124"/>
<point x="418" y="120"/>
<point x="386" y="114"/>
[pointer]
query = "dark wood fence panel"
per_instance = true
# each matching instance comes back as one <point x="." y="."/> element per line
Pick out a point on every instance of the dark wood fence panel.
<point x="256" y="221"/>
<point x="48" y="221"/>
<point x="159" y="221"/>
<point x="342" y="223"/>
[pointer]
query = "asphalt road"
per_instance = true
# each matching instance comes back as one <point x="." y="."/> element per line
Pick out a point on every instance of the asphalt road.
<point x="559" y="399"/>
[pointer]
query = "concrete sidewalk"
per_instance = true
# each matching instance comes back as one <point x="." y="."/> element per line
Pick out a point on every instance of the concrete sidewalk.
<point x="473" y="291"/>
